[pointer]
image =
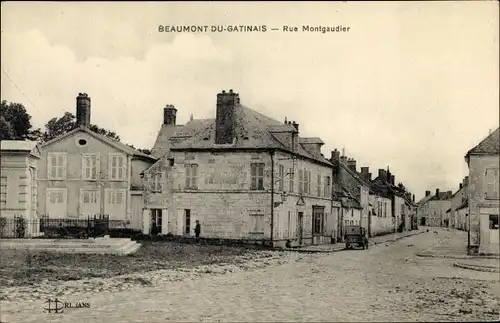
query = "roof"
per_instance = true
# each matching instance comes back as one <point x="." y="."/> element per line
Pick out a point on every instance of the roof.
<point x="347" y="199"/>
<point x="489" y="146"/>
<point x="464" y="204"/>
<point x="442" y="196"/>
<point x="311" y="140"/>
<point x="424" y="200"/>
<point x="20" y="145"/>
<point x="252" y="130"/>
<point x="353" y="174"/>
<point x="176" y="133"/>
<point x="114" y="143"/>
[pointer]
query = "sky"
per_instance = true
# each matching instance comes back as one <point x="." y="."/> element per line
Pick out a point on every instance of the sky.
<point x="411" y="85"/>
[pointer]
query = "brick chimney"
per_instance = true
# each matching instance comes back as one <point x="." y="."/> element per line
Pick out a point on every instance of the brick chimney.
<point x="460" y="186"/>
<point x="393" y="179"/>
<point x="169" y="115"/>
<point x="437" y="192"/>
<point x="466" y="181"/>
<point x="413" y="198"/>
<point x="351" y="163"/>
<point x="365" y="173"/>
<point x="427" y="193"/>
<point x="224" y="120"/>
<point x="382" y="174"/>
<point x="83" y="110"/>
<point x="343" y="159"/>
<point x="296" y="125"/>
<point x="335" y="157"/>
<point x="449" y="194"/>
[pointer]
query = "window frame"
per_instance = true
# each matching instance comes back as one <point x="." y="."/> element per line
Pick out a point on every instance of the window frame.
<point x="191" y="177"/>
<point x="255" y="226"/>
<point x="62" y="169"/>
<point x="158" y="182"/>
<point x="257" y="176"/>
<point x="491" y="180"/>
<point x="117" y="178"/>
<point x="95" y="166"/>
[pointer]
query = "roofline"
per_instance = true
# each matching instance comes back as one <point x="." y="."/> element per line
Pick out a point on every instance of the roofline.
<point x="355" y="176"/>
<point x="226" y="149"/>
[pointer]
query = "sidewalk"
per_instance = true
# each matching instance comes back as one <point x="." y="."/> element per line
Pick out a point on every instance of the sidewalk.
<point x="452" y="246"/>
<point x="327" y="248"/>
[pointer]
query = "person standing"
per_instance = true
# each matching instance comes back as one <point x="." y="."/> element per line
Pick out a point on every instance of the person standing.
<point x="197" y="230"/>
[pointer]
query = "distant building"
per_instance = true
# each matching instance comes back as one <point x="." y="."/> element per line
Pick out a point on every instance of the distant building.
<point x="458" y="218"/>
<point x="432" y="209"/>
<point x="82" y="173"/>
<point x="18" y="198"/>
<point x="483" y="193"/>
<point x="243" y="175"/>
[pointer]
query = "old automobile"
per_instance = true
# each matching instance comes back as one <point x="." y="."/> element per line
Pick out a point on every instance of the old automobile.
<point x="355" y="236"/>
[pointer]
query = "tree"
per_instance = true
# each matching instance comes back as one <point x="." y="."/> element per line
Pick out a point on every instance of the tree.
<point x="15" y="122"/>
<point x="59" y="126"/>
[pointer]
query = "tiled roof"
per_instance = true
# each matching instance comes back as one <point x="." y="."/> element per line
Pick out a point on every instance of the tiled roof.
<point x="442" y="196"/>
<point x="252" y="129"/>
<point x="353" y="174"/>
<point x="424" y="200"/>
<point x="311" y="140"/>
<point x="177" y="133"/>
<point x="489" y="146"/>
<point x="115" y="143"/>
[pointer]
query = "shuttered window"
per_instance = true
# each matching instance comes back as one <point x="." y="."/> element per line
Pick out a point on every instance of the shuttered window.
<point x="117" y="167"/>
<point x="56" y="166"/>
<point x="191" y="176"/>
<point x="491" y="180"/>
<point x="90" y="166"/>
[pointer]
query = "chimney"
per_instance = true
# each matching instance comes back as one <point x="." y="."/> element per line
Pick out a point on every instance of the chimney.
<point x="382" y="174"/>
<point x="427" y="193"/>
<point x="335" y="156"/>
<point x="393" y="178"/>
<point x="224" y="120"/>
<point x="437" y="192"/>
<point x="413" y="198"/>
<point x="460" y="186"/>
<point x="83" y="110"/>
<point x="466" y="181"/>
<point x="365" y="173"/>
<point x="449" y="194"/>
<point x="169" y="115"/>
<point x="369" y="176"/>
<point x="296" y="125"/>
<point x="343" y="159"/>
<point x="351" y="163"/>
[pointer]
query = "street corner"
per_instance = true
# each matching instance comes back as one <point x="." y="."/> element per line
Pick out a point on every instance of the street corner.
<point x="484" y="266"/>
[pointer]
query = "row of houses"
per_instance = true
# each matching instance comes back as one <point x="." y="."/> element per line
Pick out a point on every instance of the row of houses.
<point x="475" y="206"/>
<point x="242" y="174"/>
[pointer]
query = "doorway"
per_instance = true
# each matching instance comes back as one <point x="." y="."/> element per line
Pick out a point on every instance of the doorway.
<point x="300" y="227"/>
<point x="156" y="221"/>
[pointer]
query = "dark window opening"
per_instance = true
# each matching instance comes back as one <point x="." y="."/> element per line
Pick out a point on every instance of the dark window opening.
<point x="82" y="142"/>
<point x="170" y="162"/>
<point x="187" y="221"/>
<point x="494" y="222"/>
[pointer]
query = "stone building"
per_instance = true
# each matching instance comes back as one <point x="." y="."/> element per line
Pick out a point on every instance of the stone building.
<point x="458" y="220"/>
<point x="432" y="209"/>
<point x="484" y="194"/>
<point x="351" y="190"/>
<point x="18" y="191"/>
<point x="243" y="175"/>
<point x="82" y="173"/>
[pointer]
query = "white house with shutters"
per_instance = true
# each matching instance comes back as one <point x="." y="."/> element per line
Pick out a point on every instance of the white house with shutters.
<point x="83" y="173"/>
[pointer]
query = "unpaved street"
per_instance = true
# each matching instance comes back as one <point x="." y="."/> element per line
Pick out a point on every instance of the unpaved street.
<point x="385" y="283"/>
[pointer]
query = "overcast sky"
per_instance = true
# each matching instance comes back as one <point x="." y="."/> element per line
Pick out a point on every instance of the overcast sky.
<point x="412" y="86"/>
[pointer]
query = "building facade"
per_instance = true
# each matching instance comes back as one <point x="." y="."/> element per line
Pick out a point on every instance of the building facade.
<point x="243" y="176"/>
<point x="459" y="198"/>
<point x="432" y="209"/>
<point x="82" y="173"/>
<point x="18" y="198"/>
<point x="483" y="193"/>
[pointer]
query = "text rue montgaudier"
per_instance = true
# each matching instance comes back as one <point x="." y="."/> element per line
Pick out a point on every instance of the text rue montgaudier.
<point x="250" y="28"/>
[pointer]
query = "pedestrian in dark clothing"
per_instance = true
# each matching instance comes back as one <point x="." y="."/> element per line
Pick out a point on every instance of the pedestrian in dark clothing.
<point x="197" y="230"/>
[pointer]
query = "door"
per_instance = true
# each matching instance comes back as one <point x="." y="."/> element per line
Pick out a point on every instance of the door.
<point x="89" y="202"/>
<point x="156" y="221"/>
<point x="187" y="222"/>
<point x="300" y="226"/>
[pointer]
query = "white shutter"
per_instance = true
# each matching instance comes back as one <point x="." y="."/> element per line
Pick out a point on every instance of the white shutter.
<point x="61" y="163"/>
<point x="490" y="183"/>
<point x="50" y="164"/>
<point x="98" y="165"/>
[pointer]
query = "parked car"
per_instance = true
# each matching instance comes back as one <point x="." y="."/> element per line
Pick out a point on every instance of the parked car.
<point x="355" y="236"/>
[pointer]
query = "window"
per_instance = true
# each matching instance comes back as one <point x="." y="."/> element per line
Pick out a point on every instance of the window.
<point x="89" y="196"/>
<point x="187" y="221"/>
<point x="327" y="186"/>
<point x="116" y="196"/>
<point x="117" y="167"/>
<point x="292" y="180"/>
<point x="191" y="176"/>
<point x="158" y="182"/>
<point x="318" y="185"/>
<point x="289" y="224"/>
<point x="385" y="209"/>
<point x="494" y="222"/>
<point x="491" y="181"/>
<point x="281" y="176"/>
<point x="57" y="166"/>
<point x="89" y="166"/>
<point x="257" y="176"/>
<point x="56" y="196"/>
<point x="256" y="225"/>
<point x="304" y="181"/>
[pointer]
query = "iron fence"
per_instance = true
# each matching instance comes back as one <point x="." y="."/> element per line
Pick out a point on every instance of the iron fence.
<point x="19" y="227"/>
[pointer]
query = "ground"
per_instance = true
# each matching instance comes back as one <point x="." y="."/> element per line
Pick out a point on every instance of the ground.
<point x="387" y="282"/>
